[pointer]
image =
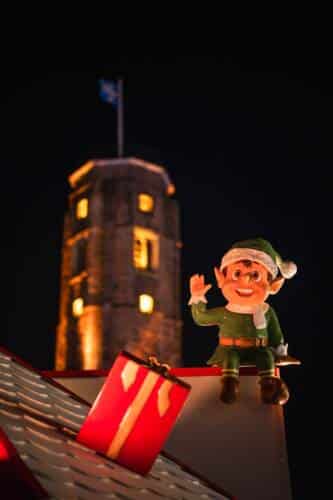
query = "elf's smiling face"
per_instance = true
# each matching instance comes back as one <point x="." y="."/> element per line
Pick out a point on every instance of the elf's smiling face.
<point x="247" y="283"/>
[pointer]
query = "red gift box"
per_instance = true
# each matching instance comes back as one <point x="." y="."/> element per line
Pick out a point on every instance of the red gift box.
<point x="134" y="412"/>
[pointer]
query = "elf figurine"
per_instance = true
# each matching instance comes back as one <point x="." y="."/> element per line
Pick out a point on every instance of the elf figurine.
<point x="249" y="330"/>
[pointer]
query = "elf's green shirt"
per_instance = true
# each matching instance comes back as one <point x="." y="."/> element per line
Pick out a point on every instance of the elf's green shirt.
<point x="234" y="325"/>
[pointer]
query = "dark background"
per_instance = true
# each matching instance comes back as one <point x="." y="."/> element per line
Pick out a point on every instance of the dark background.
<point x="246" y="139"/>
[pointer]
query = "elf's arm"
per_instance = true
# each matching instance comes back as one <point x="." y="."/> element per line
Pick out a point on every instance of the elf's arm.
<point x="275" y="335"/>
<point x="205" y="317"/>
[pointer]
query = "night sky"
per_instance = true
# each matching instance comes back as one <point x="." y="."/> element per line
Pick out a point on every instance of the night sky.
<point x="247" y="142"/>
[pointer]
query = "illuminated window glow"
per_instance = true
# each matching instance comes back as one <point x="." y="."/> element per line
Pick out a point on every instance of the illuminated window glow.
<point x="145" y="249"/>
<point x="77" y="307"/>
<point x="146" y="303"/>
<point x="82" y="208"/>
<point x="90" y="333"/>
<point x="145" y="202"/>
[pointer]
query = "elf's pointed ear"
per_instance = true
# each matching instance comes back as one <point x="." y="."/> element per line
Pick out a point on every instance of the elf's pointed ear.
<point x="219" y="277"/>
<point x="276" y="285"/>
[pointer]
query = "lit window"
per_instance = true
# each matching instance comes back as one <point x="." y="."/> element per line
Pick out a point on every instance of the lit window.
<point x="77" y="307"/>
<point x="82" y="208"/>
<point x="140" y="254"/>
<point x="146" y="303"/>
<point x="145" y="202"/>
<point x="145" y="249"/>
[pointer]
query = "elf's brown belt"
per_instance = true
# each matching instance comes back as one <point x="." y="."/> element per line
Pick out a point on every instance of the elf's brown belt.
<point x="243" y="342"/>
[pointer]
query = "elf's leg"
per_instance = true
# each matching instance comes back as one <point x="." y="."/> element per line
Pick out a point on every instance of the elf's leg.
<point x="273" y="389"/>
<point x="230" y="375"/>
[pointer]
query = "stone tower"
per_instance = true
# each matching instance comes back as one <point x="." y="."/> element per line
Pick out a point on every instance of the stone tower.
<point x="120" y="278"/>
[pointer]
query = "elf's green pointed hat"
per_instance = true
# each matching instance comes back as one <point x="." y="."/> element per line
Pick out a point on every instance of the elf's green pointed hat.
<point x="259" y="250"/>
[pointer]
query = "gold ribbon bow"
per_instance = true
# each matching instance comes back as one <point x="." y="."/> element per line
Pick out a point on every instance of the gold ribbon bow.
<point x="162" y="368"/>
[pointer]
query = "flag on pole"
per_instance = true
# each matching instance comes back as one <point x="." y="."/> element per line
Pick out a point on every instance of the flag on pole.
<point x="112" y="93"/>
<point x="109" y="92"/>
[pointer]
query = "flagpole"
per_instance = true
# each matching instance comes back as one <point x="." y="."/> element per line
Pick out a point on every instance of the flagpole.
<point x="120" y="119"/>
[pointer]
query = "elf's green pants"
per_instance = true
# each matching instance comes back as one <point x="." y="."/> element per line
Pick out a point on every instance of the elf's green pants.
<point x="229" y="358"/>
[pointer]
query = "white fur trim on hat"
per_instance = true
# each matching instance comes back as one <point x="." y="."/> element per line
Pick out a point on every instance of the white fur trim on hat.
<point x="236" y="254"/>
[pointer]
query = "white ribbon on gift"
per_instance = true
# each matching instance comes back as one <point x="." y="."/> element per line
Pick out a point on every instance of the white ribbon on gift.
<point x="127" y="423"/>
